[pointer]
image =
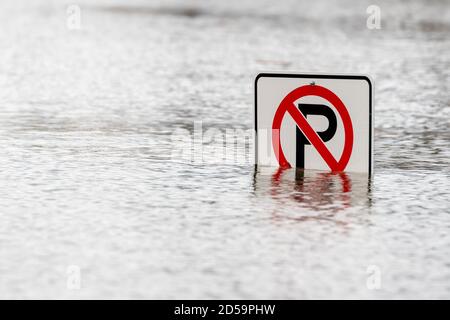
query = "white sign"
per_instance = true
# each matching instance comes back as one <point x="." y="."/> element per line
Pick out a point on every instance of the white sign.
<point x="321" y="122"/>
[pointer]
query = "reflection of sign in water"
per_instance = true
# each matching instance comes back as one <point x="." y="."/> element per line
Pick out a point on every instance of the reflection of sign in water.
<point x="343" y="102"/>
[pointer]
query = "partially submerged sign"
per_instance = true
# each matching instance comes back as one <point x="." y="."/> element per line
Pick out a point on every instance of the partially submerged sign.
<point x="321" y="122"/>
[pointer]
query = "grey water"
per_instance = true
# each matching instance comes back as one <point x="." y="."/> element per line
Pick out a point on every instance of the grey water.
<point x="89" y="194"/>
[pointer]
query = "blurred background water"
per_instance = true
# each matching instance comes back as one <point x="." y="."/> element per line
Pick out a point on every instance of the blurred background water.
<point x="85" y="127"/>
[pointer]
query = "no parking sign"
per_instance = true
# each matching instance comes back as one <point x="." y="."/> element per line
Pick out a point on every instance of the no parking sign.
<point x="321" y="122"/>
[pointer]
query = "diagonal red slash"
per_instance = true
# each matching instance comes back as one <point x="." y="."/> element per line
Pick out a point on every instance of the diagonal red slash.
<point x="287" y="105"/>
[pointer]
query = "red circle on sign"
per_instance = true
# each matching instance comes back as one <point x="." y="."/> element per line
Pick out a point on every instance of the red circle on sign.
<point x="287" y="105"/>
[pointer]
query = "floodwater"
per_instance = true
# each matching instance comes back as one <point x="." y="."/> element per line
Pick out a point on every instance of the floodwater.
<point x="94" y="206"/>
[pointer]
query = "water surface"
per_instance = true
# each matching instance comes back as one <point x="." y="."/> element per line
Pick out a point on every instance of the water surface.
<point x="85" y="126"/>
